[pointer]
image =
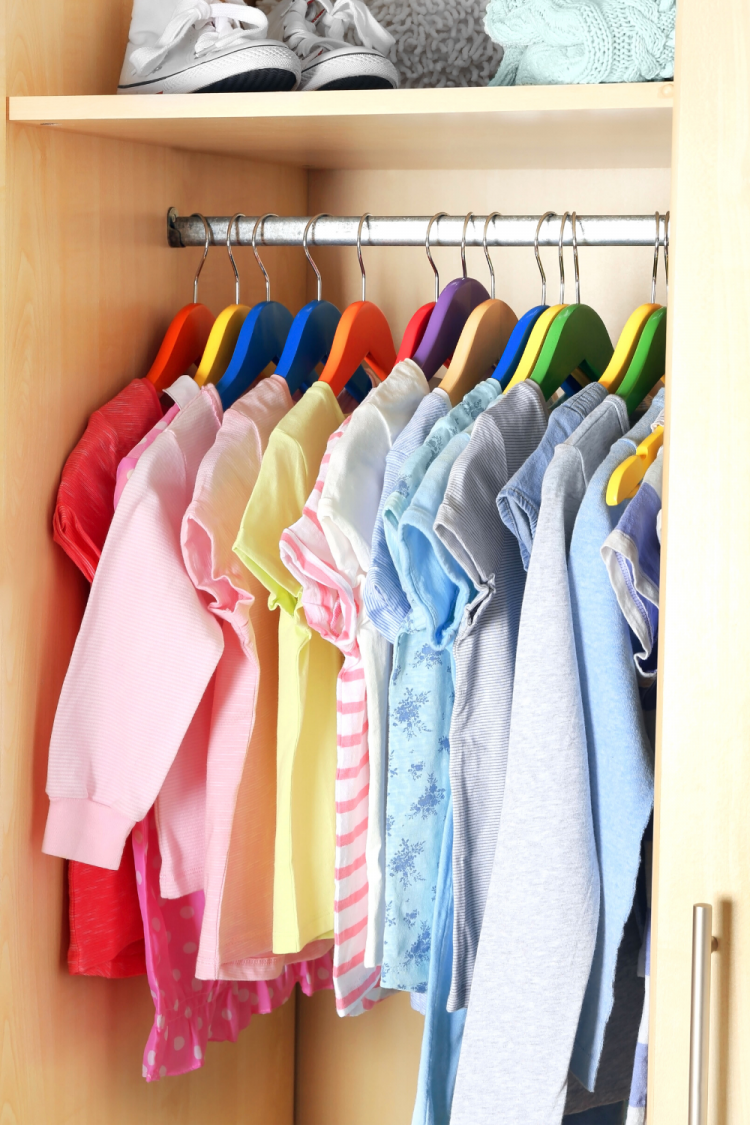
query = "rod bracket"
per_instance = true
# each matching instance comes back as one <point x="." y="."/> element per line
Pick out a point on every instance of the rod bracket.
<point x="174" y="237"/>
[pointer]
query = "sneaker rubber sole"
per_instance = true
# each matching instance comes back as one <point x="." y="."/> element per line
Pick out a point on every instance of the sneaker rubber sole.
<point x="263" y="67"/>
<point x="349" y="69"/>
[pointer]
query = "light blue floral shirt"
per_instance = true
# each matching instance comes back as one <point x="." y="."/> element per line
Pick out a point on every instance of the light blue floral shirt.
<point x="421" y="693"/>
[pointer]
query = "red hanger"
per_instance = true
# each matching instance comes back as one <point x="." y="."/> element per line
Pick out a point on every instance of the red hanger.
<point x="415" y="330"/>
<point x="186" y="337"/>
<point x="362" y="334"/>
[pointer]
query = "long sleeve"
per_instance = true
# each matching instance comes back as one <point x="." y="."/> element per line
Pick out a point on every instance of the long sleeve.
<point x="143" y="658"/>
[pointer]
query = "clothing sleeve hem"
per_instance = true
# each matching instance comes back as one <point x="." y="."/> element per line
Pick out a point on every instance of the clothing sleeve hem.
<point x="86" y="831"/>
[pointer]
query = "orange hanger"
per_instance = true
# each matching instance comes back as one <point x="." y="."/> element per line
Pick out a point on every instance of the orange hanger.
<point x="362" y="334"/>
<point x="187" y="335"/>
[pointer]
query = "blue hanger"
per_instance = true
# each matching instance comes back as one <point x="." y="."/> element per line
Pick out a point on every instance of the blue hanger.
<point x="519" y="337"/>
<point x="261" y="339"/>
<point x="308" y="344"/>
<point x="310" y="339"/>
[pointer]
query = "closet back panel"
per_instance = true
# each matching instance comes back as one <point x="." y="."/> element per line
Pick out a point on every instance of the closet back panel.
<point x="91" y="287"/>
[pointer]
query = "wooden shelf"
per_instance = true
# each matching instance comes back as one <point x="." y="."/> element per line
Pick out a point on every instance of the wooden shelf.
<point x="611" y="126"/>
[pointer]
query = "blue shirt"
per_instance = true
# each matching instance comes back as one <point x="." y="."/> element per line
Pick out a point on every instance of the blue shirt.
<point x="420" y="709"/>
<point x="518" y="503"/>
<point x="619" y="751"/>
<point x="385" y="601"/>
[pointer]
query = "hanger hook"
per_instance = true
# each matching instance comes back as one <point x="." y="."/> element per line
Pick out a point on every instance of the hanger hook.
<point x="575" y="256"/>
<point x="467" y="220"/>
<point x="545" y="216"/>
<point x="367" y="216"/>
<point x="487" y="221"/>
<point x="560" y="262"/>
<point x="259" y="223"/>
<point x="311" y="223"/>
<point x="654" y="271"/>
<point x="230" y="224"/>
<point x="207" y="230"/>
<point x="435" y="217"/>
<point x="666" y="252"/>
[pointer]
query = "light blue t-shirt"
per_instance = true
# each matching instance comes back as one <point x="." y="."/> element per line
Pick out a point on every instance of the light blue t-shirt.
<point x="420" y="709"/>
<point x="385" y="601"/>
<point x="621" y="768"/>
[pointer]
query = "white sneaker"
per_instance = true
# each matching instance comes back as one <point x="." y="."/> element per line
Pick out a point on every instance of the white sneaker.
<point x="192" y="46"/>
<point x="316" y="31"/>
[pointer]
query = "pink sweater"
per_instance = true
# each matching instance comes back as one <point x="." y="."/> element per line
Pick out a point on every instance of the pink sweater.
<point x="135" y="690"/>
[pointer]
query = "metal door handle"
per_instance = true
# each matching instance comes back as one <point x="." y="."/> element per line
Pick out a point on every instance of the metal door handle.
<point x="700" y="1013"/>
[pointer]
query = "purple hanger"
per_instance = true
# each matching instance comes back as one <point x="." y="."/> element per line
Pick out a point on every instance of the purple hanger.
<point x="455" y="304"/>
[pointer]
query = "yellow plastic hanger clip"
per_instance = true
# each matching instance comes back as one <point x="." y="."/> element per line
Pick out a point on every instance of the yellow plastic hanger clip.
<point x="626" y="479"/>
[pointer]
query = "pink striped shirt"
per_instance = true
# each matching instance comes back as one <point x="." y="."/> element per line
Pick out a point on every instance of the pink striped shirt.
<point x="331" y="609"/>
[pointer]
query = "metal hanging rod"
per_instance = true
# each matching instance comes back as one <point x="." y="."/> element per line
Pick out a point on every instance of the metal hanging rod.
<point x="410" y="230"/>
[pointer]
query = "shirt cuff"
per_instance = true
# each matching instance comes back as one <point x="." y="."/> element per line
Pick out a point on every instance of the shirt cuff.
<point x="86" y="831"/>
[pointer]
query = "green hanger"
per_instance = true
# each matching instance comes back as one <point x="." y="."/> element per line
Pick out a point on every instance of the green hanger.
<point x="577" y="336"/>
<point x="649" y="362"/>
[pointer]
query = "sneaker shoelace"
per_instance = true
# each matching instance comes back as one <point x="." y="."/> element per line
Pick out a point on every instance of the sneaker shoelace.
<point x="221" y="24"/>
<point x="334" y="17"/>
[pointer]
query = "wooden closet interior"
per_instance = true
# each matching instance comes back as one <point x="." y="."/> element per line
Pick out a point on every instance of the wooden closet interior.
<point x="89" y="285"/>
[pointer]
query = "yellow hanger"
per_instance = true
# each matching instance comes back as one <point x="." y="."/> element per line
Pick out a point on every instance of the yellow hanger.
<point x="223" y="336"/>
<point x="625" y="480"/>
<point x="631" y="333"/>
<point x="534" y="346"/>
<point x="527" y="363"/>
<point x="483" y="337"/>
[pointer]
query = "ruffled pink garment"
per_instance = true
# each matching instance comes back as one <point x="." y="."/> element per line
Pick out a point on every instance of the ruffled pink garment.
<point x="190" y="1012"/>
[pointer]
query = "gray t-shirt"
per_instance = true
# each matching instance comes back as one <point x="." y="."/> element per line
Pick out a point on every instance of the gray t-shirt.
<point x="542" y="908"/>
<point x="469" y="525"/>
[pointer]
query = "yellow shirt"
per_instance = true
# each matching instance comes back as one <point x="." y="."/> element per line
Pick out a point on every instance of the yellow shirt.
<point x="308" y="668"/>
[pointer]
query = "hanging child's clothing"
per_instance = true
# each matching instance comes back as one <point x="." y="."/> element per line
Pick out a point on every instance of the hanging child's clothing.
<point x="308" y="668"/>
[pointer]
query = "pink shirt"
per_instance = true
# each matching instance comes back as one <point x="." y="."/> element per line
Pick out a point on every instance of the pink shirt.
<point x="237" y="933"/>
<point x="330" y="609"/>
<point x="135" y="691"/>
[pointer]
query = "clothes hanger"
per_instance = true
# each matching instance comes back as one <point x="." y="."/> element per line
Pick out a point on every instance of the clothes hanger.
<point x="362" y="334"/>
<point x="261" y="340"/>
<point x="223" y="337"/>
<point x="185" y="339"/>
<point x="649" y="360"/>
<point x="541" y="327"/>
<point x="483" y="338"/>
<point x="631" y="333"/>
<point x="626" y="479"/>
<point x="519" y="337"/>
<point x="417" y="326"/>
<point x="577" y="337"/>
<point x="311" y="337"/>
<point x="452" y="310"/>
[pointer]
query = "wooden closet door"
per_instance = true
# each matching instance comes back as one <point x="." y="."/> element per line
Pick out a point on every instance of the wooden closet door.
<point x="702" y="845"/>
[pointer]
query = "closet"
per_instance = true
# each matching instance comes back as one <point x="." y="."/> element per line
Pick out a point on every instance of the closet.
<point x="89" y="284"/>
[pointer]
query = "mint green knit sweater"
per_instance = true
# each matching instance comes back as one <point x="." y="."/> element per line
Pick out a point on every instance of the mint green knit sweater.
<point x="577" y="41"/>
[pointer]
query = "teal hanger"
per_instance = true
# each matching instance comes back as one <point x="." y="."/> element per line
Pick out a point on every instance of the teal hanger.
<point x="310" y="338"/>
<point x="577" y="337"/>
<point x="519" y="337"/>
<point x="261" y="340"/>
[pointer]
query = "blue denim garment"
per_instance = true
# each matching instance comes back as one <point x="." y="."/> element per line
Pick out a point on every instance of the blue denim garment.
<point x="518" y="503"/>
<point x="620" y="753"/>
<point x="443" y="1030"/>
<point x="420" y="709"/>
<point x="385" y="601"/>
